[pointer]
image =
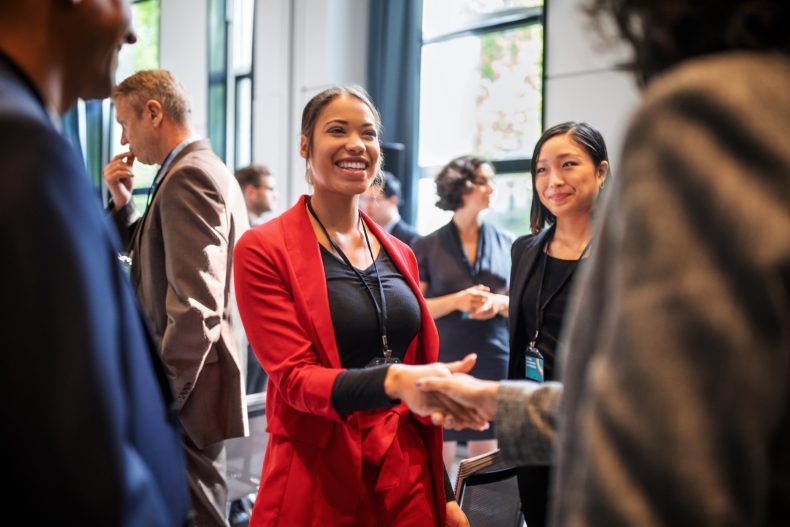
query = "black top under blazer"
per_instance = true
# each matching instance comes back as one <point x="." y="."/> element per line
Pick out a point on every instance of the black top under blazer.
<point x="524" y="254"/>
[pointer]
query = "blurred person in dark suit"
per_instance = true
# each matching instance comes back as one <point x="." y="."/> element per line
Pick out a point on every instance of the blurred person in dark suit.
<point x="464" y="269"/>
<point x="91" y="438"/>
<point x="260" y="195"/>
<point x="260" y="192"/>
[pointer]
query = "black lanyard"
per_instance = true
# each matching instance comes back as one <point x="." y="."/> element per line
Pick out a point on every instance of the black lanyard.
<point x="539" y="309"/>
<point x="474" y="271"/>
<point x="381" y="312"/>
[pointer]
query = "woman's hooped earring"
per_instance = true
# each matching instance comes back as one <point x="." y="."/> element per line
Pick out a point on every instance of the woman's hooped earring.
<point x="601" y="187"/>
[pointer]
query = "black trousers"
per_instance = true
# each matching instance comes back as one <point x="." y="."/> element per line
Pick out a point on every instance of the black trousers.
<point x="533" y="486"/>
<point x="208" y="487"/>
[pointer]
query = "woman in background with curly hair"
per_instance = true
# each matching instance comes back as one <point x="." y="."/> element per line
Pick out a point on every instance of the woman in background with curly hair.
<point x="464" y="274"/>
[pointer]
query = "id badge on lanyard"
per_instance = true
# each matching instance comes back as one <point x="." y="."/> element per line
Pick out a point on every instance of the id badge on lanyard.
<point x="533" y="364"/>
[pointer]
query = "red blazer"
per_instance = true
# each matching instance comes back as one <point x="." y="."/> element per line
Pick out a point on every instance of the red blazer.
<point x="313" y="465"/>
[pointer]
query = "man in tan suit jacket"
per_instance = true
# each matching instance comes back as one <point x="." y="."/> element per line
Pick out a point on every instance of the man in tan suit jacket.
<point x="181" y="250"/>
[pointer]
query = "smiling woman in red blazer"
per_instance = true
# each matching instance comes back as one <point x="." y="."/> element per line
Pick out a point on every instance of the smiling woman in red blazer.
<point x="331" y="304"/>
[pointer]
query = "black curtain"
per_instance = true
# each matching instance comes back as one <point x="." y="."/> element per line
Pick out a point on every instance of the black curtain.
<point x="394" y="45"/>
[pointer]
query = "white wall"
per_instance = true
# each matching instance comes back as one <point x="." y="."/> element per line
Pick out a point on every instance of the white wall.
<point x="273" y="131"/>
<point x="581" y="81"/>
<point x="183" y="44"/>
<point x="330" y="47"/>
<point x="302" y="47"/>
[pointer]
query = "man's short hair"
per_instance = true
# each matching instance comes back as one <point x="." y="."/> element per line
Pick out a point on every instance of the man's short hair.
<point x="391" y="186"/>
<point x="159" y="85"/>
<point x="251" y="175"/>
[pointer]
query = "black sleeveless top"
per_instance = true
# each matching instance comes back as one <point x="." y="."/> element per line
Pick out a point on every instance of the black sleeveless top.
<point x="356" y="326"/>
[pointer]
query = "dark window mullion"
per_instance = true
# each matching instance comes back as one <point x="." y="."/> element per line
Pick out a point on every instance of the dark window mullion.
<point x="535" y="16"/>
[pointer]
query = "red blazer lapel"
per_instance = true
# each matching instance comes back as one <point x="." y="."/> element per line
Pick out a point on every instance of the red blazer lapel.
<point x="305" y="259"/>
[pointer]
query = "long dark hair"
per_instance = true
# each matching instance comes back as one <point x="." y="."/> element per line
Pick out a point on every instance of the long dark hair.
<point x="586" y="137"/>
<point x="666" y="32"/>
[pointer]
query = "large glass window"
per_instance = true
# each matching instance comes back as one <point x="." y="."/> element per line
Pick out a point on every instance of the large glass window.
<point x="230" y="91"/>
<point x="442" y="17"/>
<point x="244" y="15"/>
<point x="143" y="55"/>
<point x="481" y="90"/>
<point x="217" y="75"/>
<point x="91" y="126"/>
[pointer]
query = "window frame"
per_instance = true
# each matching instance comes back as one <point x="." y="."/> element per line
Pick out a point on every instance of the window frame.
<point x="491" y="23"/>
<point x="240" y="76"/>
<point x="483" y="24"/>
<point x="217" y="76"/>
<point x="227" y="76"/>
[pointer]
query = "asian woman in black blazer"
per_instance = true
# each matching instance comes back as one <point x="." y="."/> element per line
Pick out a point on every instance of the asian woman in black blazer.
<point x="569" y="167"/>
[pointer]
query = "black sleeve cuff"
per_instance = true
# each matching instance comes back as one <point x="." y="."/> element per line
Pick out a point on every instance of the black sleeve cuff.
<point x="126" y="215"/>
<point x="356" y="390"/>
<point x="449" y="493"/>
<point x="125" y="220"/>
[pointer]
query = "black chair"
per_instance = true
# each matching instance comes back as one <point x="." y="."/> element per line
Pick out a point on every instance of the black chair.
<point x="244" y="458"/>
<point x="487" y="492"/>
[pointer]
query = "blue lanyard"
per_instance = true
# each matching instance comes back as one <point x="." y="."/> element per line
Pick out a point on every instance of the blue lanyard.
<point x="160" y="174"/>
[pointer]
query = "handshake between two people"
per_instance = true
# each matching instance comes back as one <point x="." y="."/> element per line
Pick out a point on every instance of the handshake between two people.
<point x="444" y="392"/>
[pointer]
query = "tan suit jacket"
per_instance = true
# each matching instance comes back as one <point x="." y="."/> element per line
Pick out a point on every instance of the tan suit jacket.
<point x="181" y="253"/>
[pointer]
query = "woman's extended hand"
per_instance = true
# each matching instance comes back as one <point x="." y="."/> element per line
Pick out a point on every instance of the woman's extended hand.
<point x="455" y="516"/>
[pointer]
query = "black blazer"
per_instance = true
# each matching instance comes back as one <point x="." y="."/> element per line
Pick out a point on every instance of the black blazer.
<point x="524" y="254"/>
<point x="404" y="232"/>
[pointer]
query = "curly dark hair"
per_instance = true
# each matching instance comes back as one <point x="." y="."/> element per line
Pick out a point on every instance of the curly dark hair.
<point x="584" y="135"/>
<point x="455" y="179"/>
<point x="666" y="32"/>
